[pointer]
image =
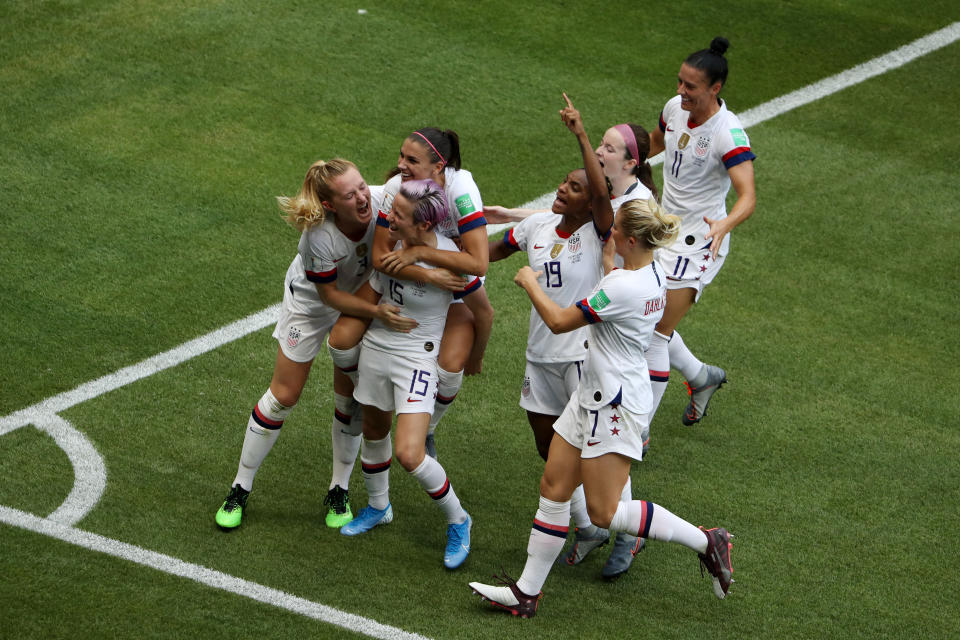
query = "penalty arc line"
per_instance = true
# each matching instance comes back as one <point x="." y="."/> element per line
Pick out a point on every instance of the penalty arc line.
<point x="236" y="330"/>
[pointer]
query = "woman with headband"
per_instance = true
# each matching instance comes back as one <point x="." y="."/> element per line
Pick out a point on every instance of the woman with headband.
<point x="706" y="150"/>
<point x="432" y="154"/>
<point x="601" y="428"/>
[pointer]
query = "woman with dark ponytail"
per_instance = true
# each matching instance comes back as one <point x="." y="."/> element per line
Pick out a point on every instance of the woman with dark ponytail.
<point x="705" y="151"/>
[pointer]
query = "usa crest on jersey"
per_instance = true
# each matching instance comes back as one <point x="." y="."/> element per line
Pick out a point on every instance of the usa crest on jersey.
<point x="293" y="336"/>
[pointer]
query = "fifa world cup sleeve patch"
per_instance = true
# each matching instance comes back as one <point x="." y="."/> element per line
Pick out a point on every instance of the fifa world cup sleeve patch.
<point x="465" y="205"/>
<point x="739" y="137"/>
<point x="599" y="300"/>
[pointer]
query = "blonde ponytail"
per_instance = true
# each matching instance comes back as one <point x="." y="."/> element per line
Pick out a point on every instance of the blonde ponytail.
<point x="305" y="210"/>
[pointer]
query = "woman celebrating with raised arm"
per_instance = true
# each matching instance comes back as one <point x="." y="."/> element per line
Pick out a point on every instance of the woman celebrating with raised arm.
<point x="600" y="430"/>
<point x="398" y="372"/>
<point x="566" y="244"/>
<point x="705" y="151"/>
<point x="334" y="213"/>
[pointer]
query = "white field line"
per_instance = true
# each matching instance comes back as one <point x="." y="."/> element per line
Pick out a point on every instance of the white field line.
<point x="89" y="470"/>
<point x="44" y="413"/>
<point x="203" y="575"/>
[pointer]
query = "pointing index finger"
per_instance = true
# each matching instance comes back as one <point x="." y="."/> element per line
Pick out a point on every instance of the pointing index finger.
<point x="569" y="104"/>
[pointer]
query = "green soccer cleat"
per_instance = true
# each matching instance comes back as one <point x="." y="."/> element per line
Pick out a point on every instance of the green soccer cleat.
<point x="231" y="512"/>
<point x="339" y="514"/>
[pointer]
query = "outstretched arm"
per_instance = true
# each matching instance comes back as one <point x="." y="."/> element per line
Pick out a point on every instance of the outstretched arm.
<point x="557" y="318"/>
<point x="352" y="305"/>
<point x="496" y="214"/>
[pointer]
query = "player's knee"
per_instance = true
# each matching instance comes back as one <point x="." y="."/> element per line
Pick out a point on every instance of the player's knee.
<point x="410" y="455"/>
<point x="601" y="515"/>
<point x="553" y="488"/>
<point x="286" y="394"/>
<point x="346" y="333"/>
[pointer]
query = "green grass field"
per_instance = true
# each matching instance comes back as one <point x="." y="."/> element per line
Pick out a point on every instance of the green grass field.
<point x="141" y="147"/>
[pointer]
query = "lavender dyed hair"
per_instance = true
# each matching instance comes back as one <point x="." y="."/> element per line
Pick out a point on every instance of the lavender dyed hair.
<point x="428" y="199"/>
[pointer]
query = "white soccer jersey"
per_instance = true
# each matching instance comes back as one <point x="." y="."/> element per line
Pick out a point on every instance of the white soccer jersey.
<point x="417" y="300"/>
<point x="326" y="255"/>
<point x="572" y="265"/>
<point x="463" y="202"/>
<point x="695" y="164"/>
<point x="622" y="310"/>
<point x="636" y="191"/>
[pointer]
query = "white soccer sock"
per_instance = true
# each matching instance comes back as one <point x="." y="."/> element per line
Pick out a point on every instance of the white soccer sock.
<point x="547" y="537"/>
<point x="263" y="429"/>
<point x="432" y="477"/>
<point x="658" y="362"/>
<point x="578" y="510"/>
<point x="648" y="520"/>
<point x="346" y="360"/>
<point x="375" y="458"/>
<point x="684" y="361"/>
<point x="345" y="438"/>
<point x="448" y="384"/>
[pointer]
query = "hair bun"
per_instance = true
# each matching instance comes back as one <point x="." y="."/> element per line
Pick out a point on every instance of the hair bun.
<point x="719" y="45"/>
<point x="655" y="209"/>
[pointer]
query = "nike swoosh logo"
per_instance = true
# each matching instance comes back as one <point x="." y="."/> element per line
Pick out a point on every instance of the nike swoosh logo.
<point x="538" y="246"/>
<point x="339" y="259"/>
<point x="413" y="400"/>
<point x="590" y="444"/>
<point x="669" y="129"/>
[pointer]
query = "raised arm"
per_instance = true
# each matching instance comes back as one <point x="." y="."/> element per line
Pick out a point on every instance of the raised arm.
<point x="599" y="196"/>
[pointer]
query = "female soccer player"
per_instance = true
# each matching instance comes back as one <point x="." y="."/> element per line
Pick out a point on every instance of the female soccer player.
<point x="431" y="154"/>
<point x="334" y="213"/>
<point x="706" y="149"/>
<point x="566" y="243"/>
<point x="398" y="372"/>
<point x="600" y="430"/>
